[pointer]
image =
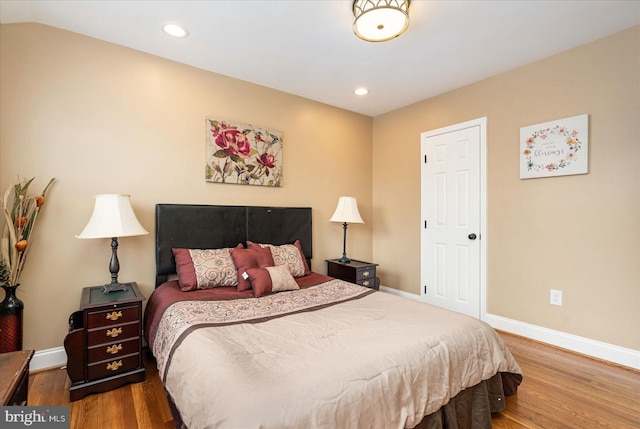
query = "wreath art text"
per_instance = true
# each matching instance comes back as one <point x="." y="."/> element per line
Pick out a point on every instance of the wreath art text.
<point x="535" y="148"/>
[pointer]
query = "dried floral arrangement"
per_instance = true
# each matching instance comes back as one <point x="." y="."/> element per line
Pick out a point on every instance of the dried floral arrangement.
<point x="20" y="213"/>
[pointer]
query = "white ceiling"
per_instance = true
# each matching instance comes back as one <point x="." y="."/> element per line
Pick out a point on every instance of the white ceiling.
<point x="307" y="47"/>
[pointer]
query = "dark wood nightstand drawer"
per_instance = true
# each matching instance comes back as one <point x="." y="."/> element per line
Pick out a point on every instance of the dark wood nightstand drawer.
<point x="365" y="273"/>
<point x="113" y="350"/>
<point x="112" y="316"/>
<point x="114" y="366"/>
<point x="113" y="333"/>
<point x="368" y="282"/>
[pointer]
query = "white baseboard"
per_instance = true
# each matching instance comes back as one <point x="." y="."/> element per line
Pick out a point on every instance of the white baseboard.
<point x="401" y="293"/>
<point x="50" y="358"/>
<point x="582" y="345"/>
<point x="586" y="346"/>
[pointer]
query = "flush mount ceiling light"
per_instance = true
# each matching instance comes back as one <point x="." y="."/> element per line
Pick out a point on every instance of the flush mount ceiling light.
<point x="361" y="91"/>
<point x="175" y="30"/>
<point x="380" y="20"/>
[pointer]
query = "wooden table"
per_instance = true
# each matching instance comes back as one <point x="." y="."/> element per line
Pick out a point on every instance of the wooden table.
<point x="14" y="377"/>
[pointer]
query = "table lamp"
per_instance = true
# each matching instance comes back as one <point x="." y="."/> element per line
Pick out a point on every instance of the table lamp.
<point x="346" y="212"/>
<point x="113" y="217"/>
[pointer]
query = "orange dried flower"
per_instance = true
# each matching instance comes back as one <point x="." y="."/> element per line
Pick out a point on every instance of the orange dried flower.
<point x="39" y="200"/>
<point x="21" y="245"/>
<point x="21" y="221"/>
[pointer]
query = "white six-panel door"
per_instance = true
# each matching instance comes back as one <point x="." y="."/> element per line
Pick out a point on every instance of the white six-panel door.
<point x="452" y="223"/>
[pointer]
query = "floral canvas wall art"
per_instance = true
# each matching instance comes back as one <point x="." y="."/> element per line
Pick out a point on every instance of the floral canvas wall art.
<point x="243" y="154"/>
<point x="556" y="148"/>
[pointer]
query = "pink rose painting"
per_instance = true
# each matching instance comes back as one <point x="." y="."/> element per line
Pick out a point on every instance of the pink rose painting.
<point x="243" y="154"/>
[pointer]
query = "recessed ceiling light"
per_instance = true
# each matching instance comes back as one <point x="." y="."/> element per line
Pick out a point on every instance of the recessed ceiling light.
<point x="175" y="30"/>
<point x="361" y="91"/>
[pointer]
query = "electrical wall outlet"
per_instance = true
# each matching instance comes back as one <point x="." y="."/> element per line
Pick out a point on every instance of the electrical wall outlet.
<point x="556" y="297"/>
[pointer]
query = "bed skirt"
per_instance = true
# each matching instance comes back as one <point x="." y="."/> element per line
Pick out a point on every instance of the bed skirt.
<point x="471" y="408"/>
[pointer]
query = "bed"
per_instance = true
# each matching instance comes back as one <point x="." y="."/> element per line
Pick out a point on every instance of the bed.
<point x="315" y="353"/>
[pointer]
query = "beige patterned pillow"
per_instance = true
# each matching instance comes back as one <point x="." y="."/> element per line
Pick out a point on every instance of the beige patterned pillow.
<point x="289" y="256"/>
<point x="281" y="279"/>
<point x="205" y="268"/>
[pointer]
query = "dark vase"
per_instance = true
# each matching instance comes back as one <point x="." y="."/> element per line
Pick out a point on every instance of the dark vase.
<point x="10" y="320"/>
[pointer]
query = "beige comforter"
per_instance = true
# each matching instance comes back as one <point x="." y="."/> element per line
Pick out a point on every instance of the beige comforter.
<point x="329" y="356"/>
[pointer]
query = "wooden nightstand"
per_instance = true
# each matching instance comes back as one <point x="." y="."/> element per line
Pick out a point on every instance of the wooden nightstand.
<point x="359" y="272"/>
<point x="104" y="344"/>
<point x="14" y="377"/>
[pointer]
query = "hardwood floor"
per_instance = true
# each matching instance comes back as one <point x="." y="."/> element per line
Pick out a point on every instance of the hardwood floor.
<point x="140" y="405"/>
<point x="560" y="390"/>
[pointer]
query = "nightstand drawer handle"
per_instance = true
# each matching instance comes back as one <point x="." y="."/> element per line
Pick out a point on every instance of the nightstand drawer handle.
<point x="365" y="283"/>
<point x="365" y="274"/>
<point x="114" y="332"/>
<point x="114" y="349"/>
<point x="114" y="316"/>
<point x="114" y="366"/>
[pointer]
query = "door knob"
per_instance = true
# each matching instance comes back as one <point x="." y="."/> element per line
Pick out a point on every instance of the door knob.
<point x="472" y="236"/>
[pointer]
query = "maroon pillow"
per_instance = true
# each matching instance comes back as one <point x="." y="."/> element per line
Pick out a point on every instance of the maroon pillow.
<point x="307" y="271"/>
<point x="185" y="270"/>
<point x="244" y="259"/>
<point x="271" y="279"/>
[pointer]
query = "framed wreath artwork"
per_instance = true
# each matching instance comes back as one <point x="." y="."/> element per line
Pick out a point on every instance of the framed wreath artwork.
<point x="556" y="148"/>
<point x="242" y="154"/>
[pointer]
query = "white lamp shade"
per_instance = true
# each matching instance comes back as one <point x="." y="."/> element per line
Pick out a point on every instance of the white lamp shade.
<point x="112" y="216"/>
<point x="347" y="211"/>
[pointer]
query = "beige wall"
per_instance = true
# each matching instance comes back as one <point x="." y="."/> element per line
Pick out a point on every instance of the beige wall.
<point x="102" y="118"/>
<point x="579" y="234"/>
<point x="106" y="119"/>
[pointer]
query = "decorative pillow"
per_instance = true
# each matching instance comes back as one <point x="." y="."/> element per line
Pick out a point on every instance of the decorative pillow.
<point x="243" y="259"/>
<point x="289" y="255"/>
<point x="298" y="246"/>
<point x="271" y="279"/>
<point x="205" y="268"/>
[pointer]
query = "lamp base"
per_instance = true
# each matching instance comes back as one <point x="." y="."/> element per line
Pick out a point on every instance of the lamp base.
<point x="115" y="287"/>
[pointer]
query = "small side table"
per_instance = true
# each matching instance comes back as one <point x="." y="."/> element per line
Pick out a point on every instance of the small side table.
<point x="104" y="344"/>
<point x="14" y="377"/>
<point x="359" y="272"/>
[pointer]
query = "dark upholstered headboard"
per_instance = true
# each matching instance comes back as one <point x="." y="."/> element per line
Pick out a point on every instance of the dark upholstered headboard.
<point x="212" y="227"/>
